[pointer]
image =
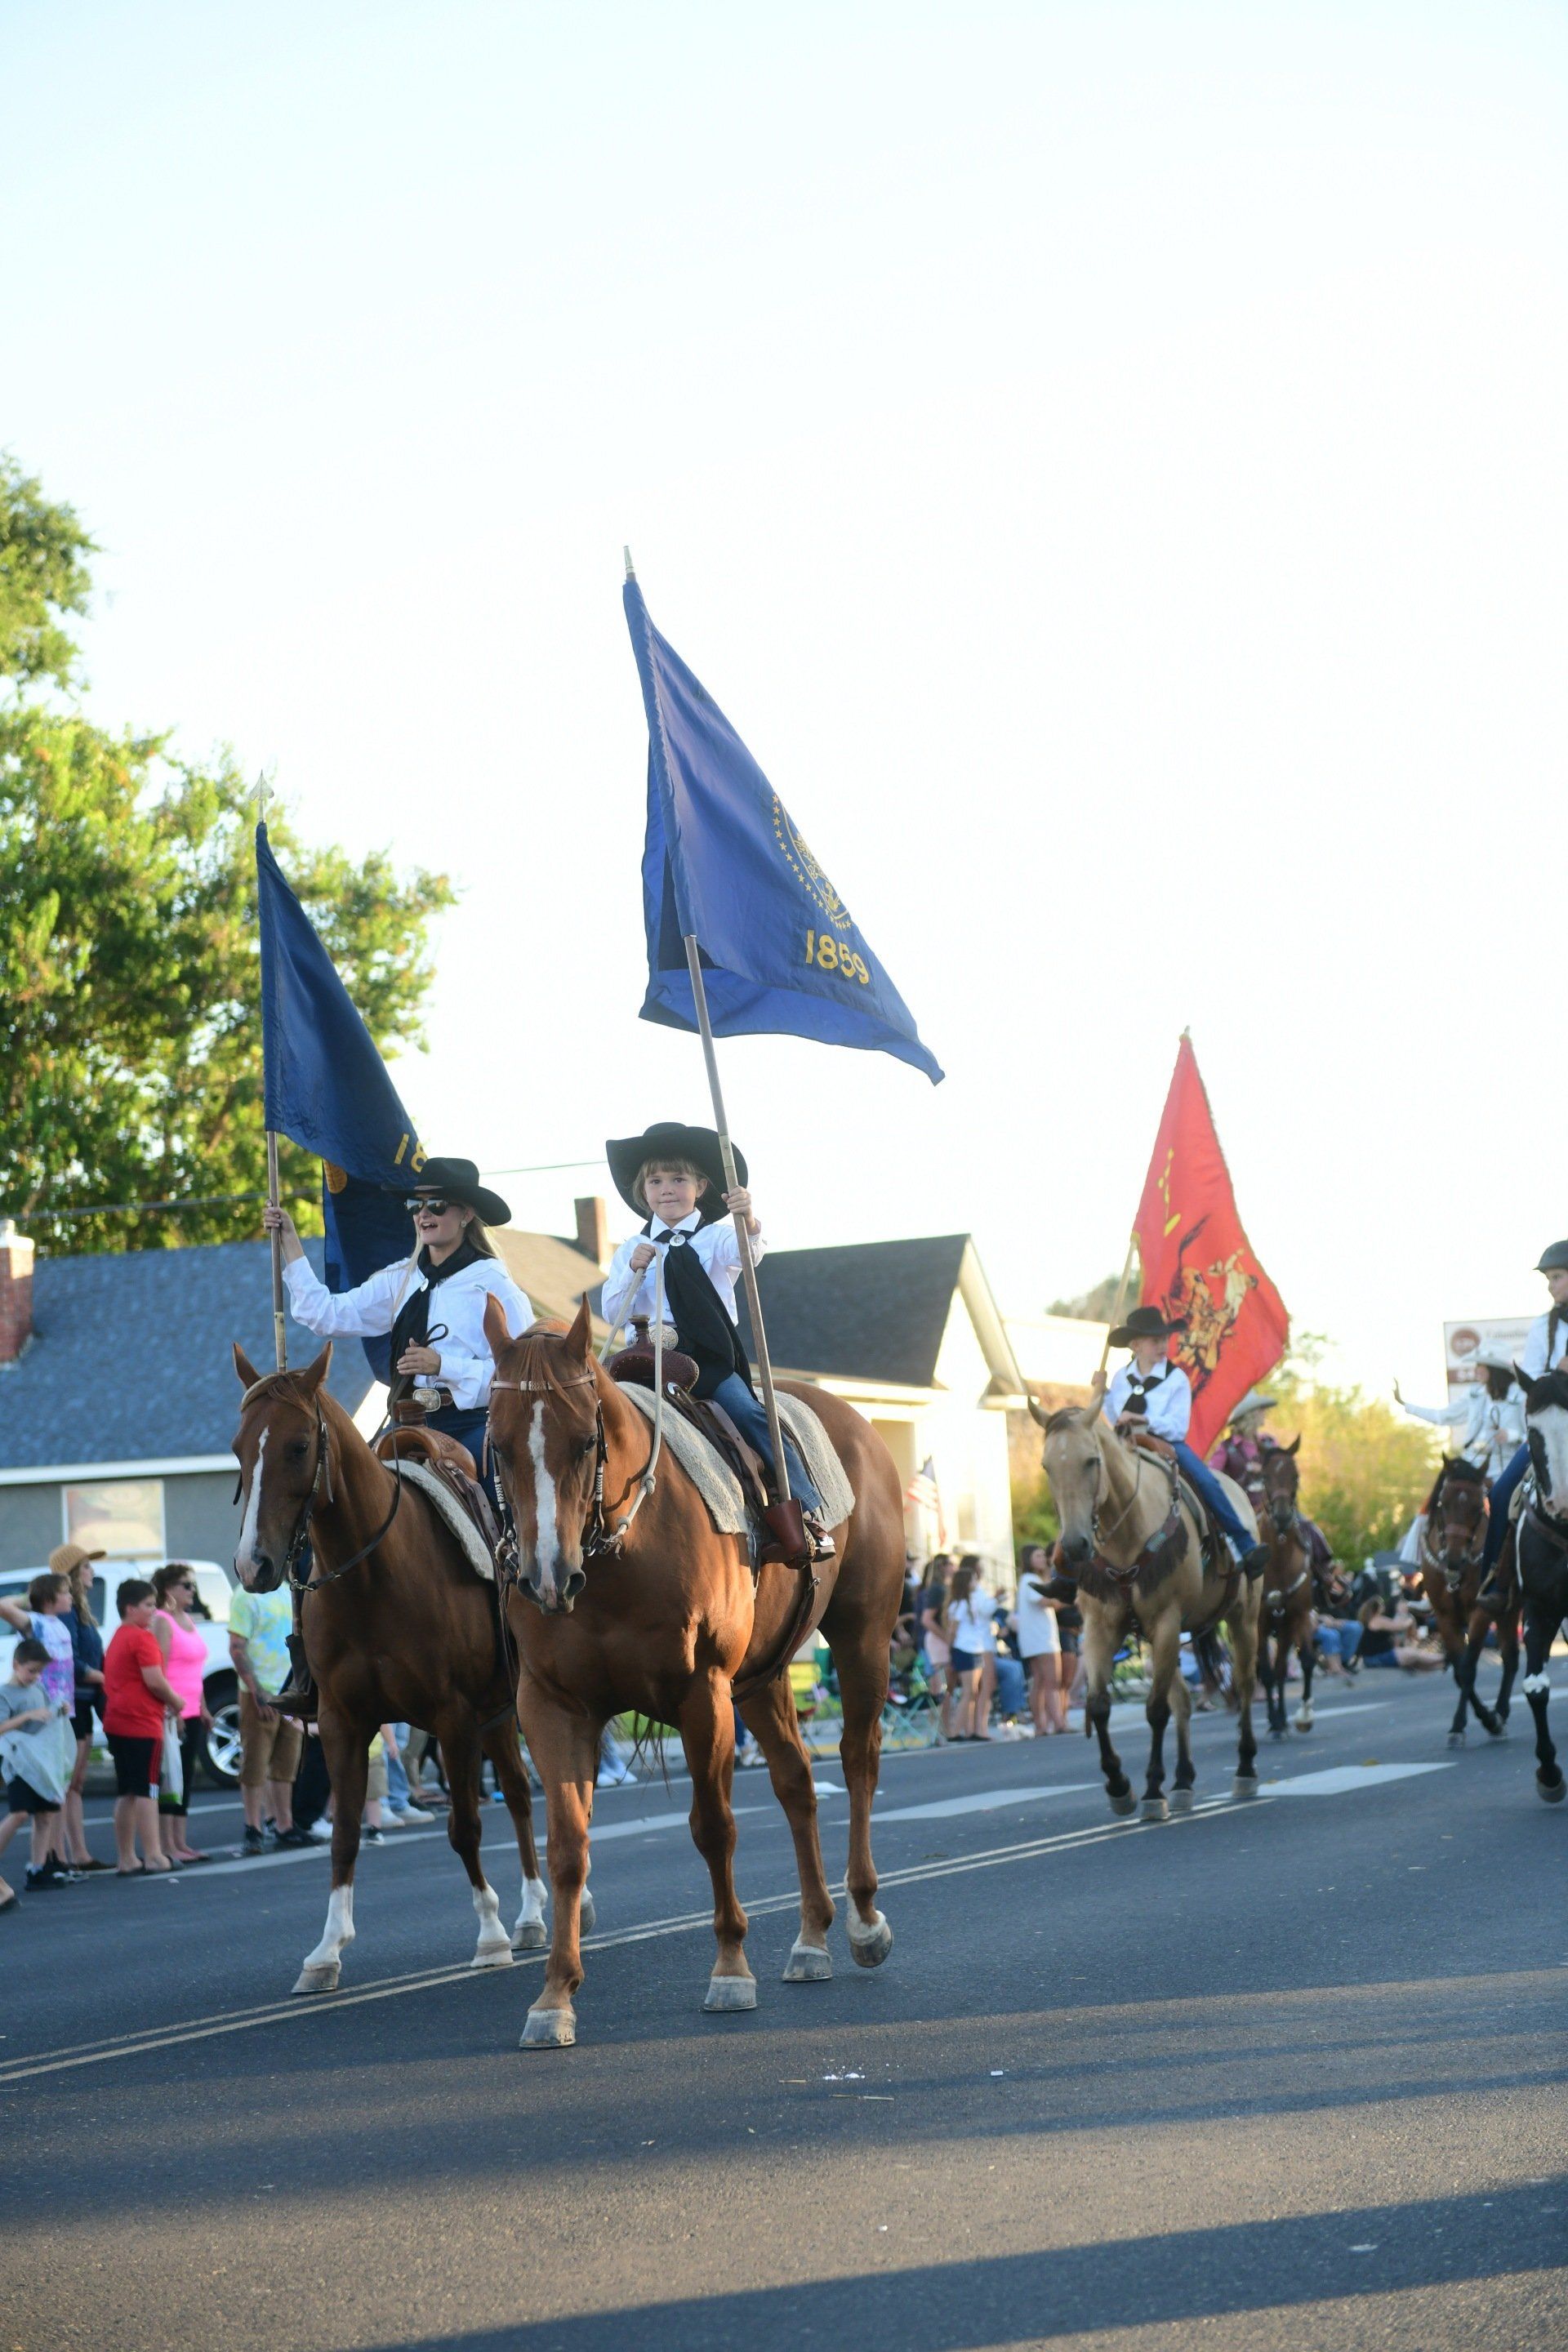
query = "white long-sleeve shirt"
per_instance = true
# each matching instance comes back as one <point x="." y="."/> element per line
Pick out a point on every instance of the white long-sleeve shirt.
<point x="628" y="1294"/>
<point x="371" y="1311"/>
<point x="1533" y="1358"/>
<point x="1168" y="1403"/>
<point x="1493" y="1432"/>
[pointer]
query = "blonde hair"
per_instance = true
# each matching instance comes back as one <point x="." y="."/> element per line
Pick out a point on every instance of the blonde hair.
<point x="477" y="1238"/>
<point x="668" y="1166"/>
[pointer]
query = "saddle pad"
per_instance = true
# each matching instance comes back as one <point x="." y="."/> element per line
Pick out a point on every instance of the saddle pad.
<point x="435" y="1490"/>
<point x="717" y="1482"/>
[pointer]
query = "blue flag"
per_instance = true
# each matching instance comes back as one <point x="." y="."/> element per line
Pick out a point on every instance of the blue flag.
<point x="724" y="862"/>
<point x="327" y="1090"/>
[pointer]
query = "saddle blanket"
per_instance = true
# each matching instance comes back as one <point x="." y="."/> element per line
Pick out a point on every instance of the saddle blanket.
<point x="476" y="1551"/>
<point x="717" y="1482"/>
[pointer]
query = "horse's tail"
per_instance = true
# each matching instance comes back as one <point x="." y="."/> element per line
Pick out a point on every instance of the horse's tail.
<point x="1212" y="1657"/>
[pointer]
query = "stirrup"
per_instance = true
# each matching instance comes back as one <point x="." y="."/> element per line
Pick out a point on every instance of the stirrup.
<point x="298" y="1695"/>
<point x="788" y="1540"/>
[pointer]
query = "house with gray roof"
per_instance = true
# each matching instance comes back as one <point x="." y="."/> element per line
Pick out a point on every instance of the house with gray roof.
<point x="119" y="1396"/>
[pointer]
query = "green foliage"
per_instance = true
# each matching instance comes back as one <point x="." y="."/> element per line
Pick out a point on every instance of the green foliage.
<point x="1035" y="1516"/>
<point x="43" y="575"/>
<point x="129" y="967"/>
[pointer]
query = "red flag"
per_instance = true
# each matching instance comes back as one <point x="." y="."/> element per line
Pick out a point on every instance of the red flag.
<point x="1199" y="1264"/>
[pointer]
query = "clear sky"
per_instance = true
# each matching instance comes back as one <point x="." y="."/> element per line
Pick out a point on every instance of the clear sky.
<point x="1107" y="459"/>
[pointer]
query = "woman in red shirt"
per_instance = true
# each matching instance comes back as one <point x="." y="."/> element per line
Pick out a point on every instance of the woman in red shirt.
<point x="137" y="1694"/>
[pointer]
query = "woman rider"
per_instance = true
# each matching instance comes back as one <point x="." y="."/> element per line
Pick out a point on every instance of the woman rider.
<point x="432" y="1303"/>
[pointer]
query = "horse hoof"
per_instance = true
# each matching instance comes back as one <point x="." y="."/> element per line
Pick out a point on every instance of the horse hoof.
<point x="869" y="1946"/>
<point x="1303" y="1723"/>
<point x="1550" y="1793"/>
<point x="1182" y="1799"/>
<point x="548" y="2028"/>
<point x="530" y="1938"/>
<point x="492" y="1955"/>
<point x="1456" y="1738"/>
<point x="587" y="1914"/>
<point x="727" y="1994"/>
<point x="1497" y="1731"/>
<point x="1245" y="1785"/>
<point x="809" y="1964"/>
<point x="325" y="1979"/>
<point x="1124" y="1804"/>
<point x="1154" y="1809"/>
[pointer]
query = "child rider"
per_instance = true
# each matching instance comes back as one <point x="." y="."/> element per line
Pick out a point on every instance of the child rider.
<point x="673" y="1176"/>
<point x="1153" y="1393"/>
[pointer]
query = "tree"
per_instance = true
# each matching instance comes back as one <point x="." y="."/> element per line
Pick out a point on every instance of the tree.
<point x="130" y="965"/>
<point x="1095" y="1305"/>
<point x="43" y="575"/>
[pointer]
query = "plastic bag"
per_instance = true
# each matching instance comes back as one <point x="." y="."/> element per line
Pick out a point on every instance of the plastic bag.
<point x="174" y="1781"/>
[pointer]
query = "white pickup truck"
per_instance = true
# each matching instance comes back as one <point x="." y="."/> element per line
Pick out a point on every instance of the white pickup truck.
<point x="221" y="1685"/>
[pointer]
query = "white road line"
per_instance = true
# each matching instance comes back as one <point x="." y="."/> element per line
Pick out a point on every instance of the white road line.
<point x="1339" y="1777"/>
<point x="983" y="1801"/>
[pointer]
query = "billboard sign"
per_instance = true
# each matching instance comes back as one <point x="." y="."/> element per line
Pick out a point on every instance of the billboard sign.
<point x="1462" y="1342"/>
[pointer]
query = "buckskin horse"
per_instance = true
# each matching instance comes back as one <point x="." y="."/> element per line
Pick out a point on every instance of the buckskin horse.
<point x="1285" y="1616"/>
<point x="1541" y="1541"/>
<point x="398" y="1628"/>
<point x="1453" y="1534"/>
<point x="1131" y="1540"/>
<point x="661" y="1613"/>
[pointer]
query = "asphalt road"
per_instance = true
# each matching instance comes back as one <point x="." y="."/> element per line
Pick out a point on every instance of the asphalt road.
<point x="1286" y="2074"/>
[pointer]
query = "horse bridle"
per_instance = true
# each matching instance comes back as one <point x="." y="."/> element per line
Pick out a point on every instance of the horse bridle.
<point x="300" y="1537"/>
<point x="598" y="1538"/>
<point x="1454" y="1570"/>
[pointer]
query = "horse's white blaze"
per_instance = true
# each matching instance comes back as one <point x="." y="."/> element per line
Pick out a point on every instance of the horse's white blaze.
<point x="1553" y="1423"/>
<point x="339" y="1931"/>
<point x="547" y="1539"/>
<point x="242" y="1556"/>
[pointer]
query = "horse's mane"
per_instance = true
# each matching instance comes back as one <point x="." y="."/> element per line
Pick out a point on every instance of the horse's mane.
<point x="537" y="1365"/>
<point x="287" y="1386"/>
<point x="1461" y="1471"/>
<point x="1069" y="1416"/>
<point x="1551" y="1389"/>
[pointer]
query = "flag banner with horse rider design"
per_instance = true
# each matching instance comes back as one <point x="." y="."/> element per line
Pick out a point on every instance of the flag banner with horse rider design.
<point x="1198" y="1267"/>
<point x="328" y="1090"/>
<point x="724" y="862"/>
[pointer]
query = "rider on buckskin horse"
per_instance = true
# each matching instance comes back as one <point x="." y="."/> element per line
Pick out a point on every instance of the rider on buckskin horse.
<point x="1545" y="1350"/>
<point x="1152" y="1392"/>
<point x="432" y="1303"/>
<point x="673" y="1176"/>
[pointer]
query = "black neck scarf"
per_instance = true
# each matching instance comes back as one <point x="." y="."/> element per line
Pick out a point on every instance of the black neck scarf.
<point x="702" y="1324"/>
<point x="413" y="1325"/>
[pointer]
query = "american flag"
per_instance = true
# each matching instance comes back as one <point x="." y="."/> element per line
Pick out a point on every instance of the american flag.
<point x="922" y="1490"/>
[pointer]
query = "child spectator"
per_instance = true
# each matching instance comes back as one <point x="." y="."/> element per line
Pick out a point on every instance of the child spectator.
<point x="32" y="1758"/>
<point x="137" y="1696"/>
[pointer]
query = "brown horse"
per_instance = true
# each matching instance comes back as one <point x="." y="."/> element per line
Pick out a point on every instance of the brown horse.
<point x="1285" y="1620"/>
<point x="1133" y="1544"/>
<point x="663" y="1615"/>
<point x="1453" y="1537"/>
<point x="398" y="1629"/>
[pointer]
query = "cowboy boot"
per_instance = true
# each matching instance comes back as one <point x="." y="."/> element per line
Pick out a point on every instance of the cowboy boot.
<point x="789" y="1542"/>
<point x="298" y="1695"/>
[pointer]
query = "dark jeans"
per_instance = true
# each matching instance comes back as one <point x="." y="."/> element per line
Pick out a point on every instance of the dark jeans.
<point x="466" y="1425"/>
<point x="1221" y="1509"/>
<point x="1502" y="1495"/>
<point x="190" y="1750"/>
<point x="750" y="1419"/>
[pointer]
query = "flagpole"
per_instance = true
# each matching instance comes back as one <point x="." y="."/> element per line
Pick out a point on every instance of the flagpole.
<point x="742" y="1234"/>
<point x="274" y="1201"/>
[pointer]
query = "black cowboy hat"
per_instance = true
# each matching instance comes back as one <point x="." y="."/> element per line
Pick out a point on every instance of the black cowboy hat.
<point x="458" y="1180"/>
<point x="1552" y="1260"/>
<point x="670" y="1138"/>
<point x="1144" y="1323"/>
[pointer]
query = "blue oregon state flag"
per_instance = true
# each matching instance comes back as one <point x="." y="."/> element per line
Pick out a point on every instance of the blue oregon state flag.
<point x="327" y="1090"/>
<point x="724" y="862"/>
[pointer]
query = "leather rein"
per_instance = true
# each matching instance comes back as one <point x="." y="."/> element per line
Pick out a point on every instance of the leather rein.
<point x="299" y="1539"/>
<point x="1162" y="1534"/>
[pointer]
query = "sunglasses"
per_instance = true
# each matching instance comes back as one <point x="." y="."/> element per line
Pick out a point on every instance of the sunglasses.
<point x="423" y="1200"/>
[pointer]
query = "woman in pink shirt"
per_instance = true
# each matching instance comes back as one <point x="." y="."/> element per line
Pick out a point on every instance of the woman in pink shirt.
<point x="185" y="1663"/>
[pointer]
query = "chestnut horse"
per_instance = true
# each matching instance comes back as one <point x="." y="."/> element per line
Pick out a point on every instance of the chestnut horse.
<point x="398" y="1628"/>
<point x="1132" y="1543"/>
<point x="1453" y="1535"/>
<point x="1285" y="1619"/>
<point x="663" y="1615"/>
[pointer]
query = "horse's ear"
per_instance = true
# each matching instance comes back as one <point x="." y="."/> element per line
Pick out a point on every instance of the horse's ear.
<point x="580" y="1338"/>
<point x="1036" y="1411"/>
<point x="1525" y="1383"/>
<point x="248" y="1375"/>
<point x="497" y="1330"/>
<point x="1294" y="1444"/>
<point x="312" y="1375"/>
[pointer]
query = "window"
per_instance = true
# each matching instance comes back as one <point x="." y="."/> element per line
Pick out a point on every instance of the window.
<point x="121" y="1517"/>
